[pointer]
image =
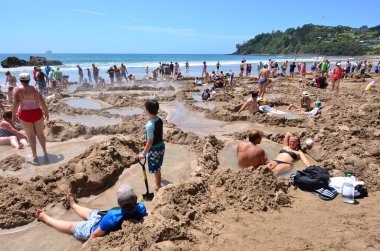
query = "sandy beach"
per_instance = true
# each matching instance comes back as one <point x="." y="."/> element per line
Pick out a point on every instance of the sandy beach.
<point x="207" y="202"/>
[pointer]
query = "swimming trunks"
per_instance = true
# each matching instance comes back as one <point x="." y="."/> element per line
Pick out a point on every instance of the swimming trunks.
<point x="5" y="133"/>
<point x="281" y="162"/>
<point x="291" y="154"/>
<point x="262" y="81"/>
<point x="155" y="158"/>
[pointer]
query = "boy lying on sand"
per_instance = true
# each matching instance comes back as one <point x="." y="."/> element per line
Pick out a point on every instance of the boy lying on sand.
<point x="98" y="223"/>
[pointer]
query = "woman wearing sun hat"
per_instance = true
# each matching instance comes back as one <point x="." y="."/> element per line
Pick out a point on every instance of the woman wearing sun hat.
<point x="305" y="103"/>
<point x="336" y="77"/>
<point x="31" y="109"/>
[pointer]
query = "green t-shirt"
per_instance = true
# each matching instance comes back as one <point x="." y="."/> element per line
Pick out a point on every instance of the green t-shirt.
<point x="58" y="75"/>
<point x="324" y="67"/>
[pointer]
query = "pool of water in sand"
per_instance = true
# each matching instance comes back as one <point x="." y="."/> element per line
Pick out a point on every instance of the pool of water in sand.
<point x="88" y="120"/>
<point x="196" y="122"/>
<point x="205" y="105"/>
<point x="228" y="156"/>
<point x="38" y="236"/>
<point x="86" y="103"/>
<point x="127" y="111"/>
<point x="59" y="153"/>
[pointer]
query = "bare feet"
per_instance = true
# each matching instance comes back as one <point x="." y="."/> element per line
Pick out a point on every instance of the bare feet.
<point x="46" y="160"/>
<point x="70" y="199"/>
<point x="40" y="214"/>
<point x="35" y="161"/>
<point x="157" y="188"/>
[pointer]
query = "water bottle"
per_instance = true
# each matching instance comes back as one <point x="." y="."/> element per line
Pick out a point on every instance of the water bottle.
<point x="348" y="189"/>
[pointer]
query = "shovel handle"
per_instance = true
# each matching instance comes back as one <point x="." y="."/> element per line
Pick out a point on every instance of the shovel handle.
<point x="142" y="163"/>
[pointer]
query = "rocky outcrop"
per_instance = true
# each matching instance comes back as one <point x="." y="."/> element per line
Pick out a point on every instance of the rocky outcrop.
<point x="11" y="62"/>
<point x="43" y="61"/>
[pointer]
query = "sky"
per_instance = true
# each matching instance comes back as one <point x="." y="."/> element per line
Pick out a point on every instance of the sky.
<point x="191" y="26"/>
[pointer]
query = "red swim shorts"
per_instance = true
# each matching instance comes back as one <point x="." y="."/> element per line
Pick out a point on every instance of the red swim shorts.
<point x="30" y="116"/>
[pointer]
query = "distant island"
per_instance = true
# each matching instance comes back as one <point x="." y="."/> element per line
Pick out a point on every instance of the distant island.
<point x="315" y="39"/>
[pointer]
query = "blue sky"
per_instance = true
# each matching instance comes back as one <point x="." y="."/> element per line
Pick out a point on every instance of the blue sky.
<point x="192" y="26"/>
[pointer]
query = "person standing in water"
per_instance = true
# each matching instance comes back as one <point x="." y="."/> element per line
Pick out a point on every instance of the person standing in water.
<point x="89" y="76"/>
<point x="147" y="72"/>
<point x="204" y="70"/>
<point x="124" y="72"/>
<point x="217" y="67"/>
<point x="241" y="69"/>
<point x="154" y="149"/>
<point x="80" y="73"/>
<point x="187" y="66"/>
<point x="11" y="80"/>
<point x="27" y="104"/>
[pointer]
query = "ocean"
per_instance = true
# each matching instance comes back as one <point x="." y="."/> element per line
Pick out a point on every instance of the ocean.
<point x="136" y="63"/>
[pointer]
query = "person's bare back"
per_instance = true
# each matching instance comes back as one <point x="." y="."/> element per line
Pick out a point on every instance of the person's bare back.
<point x="249" y="154"/>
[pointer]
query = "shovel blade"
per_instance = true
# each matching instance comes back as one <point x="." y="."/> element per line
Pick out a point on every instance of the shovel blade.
<point x="148" y="196"/>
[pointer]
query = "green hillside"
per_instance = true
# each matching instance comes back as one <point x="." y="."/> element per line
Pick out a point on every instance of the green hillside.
<point x="316" y="39"/>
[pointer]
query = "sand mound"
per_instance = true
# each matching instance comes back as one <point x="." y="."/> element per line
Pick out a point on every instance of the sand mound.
<point x="183" y="213"/>
<point x="12" y="163"/>
<point x="61" y="131"/>
<point x="90" y="173"/>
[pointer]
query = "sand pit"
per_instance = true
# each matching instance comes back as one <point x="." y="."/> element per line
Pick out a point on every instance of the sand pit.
<point x="87" y="120"/>
<point x="86" y="103"/>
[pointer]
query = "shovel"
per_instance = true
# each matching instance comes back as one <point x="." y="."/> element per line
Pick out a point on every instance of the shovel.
<point x="146" y="196"/>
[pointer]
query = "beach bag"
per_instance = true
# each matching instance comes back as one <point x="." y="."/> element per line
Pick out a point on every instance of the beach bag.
<point x="311" y="179"/>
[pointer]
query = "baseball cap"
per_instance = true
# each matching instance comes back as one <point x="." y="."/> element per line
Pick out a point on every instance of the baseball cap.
<point x="318" y="102"/>
<point x="24" y="76"/>
<point x="126" y="195"/>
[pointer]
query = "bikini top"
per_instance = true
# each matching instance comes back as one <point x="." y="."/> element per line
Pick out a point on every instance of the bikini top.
<point x="291" y="154"/>
<point x="29" y="104"/>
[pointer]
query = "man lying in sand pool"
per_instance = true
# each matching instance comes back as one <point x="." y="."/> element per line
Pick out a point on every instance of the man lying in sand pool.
<point x="251" y="104"/>
<point x="98" y="223"/>
<point x="249" y="154"/>
<point x="287" y="155"/>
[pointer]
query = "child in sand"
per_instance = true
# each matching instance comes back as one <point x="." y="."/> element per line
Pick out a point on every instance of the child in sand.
<point x="98" y="223"/>
<point x="154" y="149"/>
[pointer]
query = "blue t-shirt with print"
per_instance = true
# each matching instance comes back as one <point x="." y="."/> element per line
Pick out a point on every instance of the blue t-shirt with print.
<point x="112" y="220"/>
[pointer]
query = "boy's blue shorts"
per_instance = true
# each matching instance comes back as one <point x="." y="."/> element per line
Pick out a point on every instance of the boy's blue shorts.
<point x="155" y="157"/>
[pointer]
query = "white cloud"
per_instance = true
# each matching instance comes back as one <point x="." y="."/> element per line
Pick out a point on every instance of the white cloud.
<point x="171" y="30"/>
<point x="91" y="12"/>
<point x="181" y="32"/>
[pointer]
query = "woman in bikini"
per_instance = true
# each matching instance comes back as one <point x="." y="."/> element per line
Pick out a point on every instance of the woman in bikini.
<point x="27" y="104"/>
<point x="288" y="154"/>
<point x="9" y="134"/>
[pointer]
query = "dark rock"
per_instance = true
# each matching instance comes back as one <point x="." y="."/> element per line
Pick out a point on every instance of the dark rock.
<point x="43" y="61"/>
<point x="11" y="62"/>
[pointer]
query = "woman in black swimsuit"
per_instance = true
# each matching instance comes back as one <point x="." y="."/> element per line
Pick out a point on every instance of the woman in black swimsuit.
<point x="288" y="154"/>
